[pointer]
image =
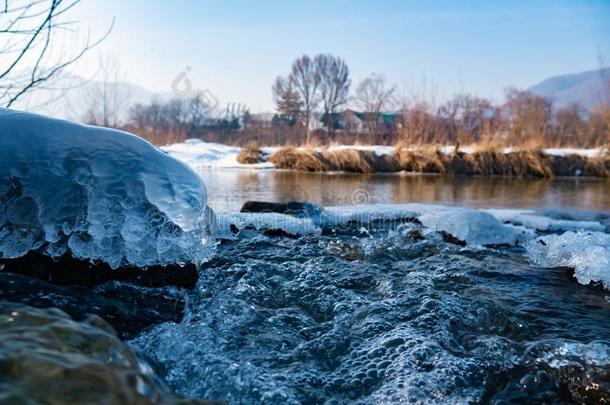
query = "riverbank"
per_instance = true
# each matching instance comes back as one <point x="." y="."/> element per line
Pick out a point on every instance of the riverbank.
<point x="540" y="163"/>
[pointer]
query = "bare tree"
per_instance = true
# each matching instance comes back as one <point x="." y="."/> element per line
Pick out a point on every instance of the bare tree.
<point x="418" y="109"/>
<point x="529" y="116"/>
<point x="287" y="100"/>
<point x="185" y="116"/>
<point x="306" y="80"/>
<point x="604" y="75"/>
<point x="107" y="98"/>
<point x="28" y="30"/>
<point x="374" y="98"/>
<point x="599" y="119"/>
<point x="334" y="85"/>
<point x="569" y="125"/>
<point x="468" y="118"/>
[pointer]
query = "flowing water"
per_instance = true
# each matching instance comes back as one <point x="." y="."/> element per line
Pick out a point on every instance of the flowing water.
<point x="386" y="314"/>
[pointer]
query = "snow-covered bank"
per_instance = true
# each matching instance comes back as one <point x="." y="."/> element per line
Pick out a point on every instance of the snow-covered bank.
<point x="379" y="158"/>
<point x="199" y="154"/>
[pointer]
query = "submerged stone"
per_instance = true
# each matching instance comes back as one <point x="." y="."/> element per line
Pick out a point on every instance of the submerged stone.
<point x="49" y="358"/>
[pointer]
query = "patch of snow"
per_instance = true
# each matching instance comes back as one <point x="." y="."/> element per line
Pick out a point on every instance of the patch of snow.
<point x="589" y="153"/>
<point x="198" y="154"/>
<point x="97" y="193"/>
<point x="379" y="150"/>
<point x="587" y="252"/>
<point x="449" y="149"/>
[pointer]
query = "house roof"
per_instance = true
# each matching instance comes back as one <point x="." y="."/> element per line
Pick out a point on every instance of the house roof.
<point x="263" y="117"/>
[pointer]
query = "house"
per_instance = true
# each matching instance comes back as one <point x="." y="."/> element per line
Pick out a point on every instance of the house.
<point x="358" y="122"/>
<point x="258" y="121"/>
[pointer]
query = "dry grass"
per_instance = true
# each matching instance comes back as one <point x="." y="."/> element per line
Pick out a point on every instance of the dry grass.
<point x="250" y="154"/>
<point x="297" y="159"/>
<point x="359" y="161"/>
<point x="573" y="164"/>
<point x="488" y="162"/>
<point x="515" y="164"/>
<point x="422" y="160"/>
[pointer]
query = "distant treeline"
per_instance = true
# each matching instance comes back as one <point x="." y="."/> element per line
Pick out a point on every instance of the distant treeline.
<point x="311" y="108"/>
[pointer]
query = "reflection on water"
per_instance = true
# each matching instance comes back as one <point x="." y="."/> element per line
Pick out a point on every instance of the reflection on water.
<point x="229" y="189"/>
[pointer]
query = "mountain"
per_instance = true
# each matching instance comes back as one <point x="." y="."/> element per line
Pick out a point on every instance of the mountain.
<point x="586" y="88"/>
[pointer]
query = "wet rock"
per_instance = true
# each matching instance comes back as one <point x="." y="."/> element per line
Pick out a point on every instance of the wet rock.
<point x="68" y="270"/>
<point x="290" y="208"/>
<point x="279" y="233"/>
<point x="128" y="308"/>
<point x="47" y="357"/>
<point x="447" y="237"/>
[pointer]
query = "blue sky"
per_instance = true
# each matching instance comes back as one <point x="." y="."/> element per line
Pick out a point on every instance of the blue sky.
<point x="235" y="49"/>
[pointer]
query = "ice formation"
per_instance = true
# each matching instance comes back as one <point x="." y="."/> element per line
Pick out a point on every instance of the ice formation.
<point x="474" y="227"/>
<point x="265" y="221"/>
<point x="587" y="252"/>
<point x="532" y="220"/>
<point x="365" y="213"/>
<point x="98" y="193"/>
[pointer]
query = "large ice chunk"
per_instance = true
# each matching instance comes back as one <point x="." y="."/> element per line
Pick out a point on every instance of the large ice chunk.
<point x="98" y="193"/>
<point x="587" y="252"/>
<point x="474" y="227"/>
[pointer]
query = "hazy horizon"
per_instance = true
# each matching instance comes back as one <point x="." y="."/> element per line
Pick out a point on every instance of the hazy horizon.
<point x="236" y="50"/>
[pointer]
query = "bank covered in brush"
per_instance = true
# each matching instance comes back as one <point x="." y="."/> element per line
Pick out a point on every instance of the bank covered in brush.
<point x="389" y="159"/>
<point x="525" y="163"/>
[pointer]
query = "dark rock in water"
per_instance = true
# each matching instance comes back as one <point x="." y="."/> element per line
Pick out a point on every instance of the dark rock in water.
<point x="447" y="237"/>
<point x="128" y="308"/>
<point x="294" y="208"/>
<point x="68" y="270"/>
<point x="47" y="357"/>
<point x="124" y="297"/>
<point x="279" y="233"/>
